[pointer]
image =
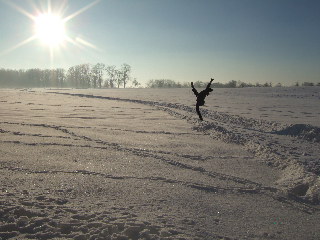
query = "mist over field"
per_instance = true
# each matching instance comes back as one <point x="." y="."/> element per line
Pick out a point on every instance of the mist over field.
<point x="139" y="164"/>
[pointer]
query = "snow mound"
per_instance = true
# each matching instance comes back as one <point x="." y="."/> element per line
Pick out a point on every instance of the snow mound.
<point x="301" y="183"/>
<point x="302" y="131"/>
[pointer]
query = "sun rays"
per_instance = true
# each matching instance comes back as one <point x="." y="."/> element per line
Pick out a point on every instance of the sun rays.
<point x="49" y="26"/>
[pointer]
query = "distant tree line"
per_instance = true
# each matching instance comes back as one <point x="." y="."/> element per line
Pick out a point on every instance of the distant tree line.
<point x="307" y="84"/>
<point x="79" y="76"/>
<point x="101" y="76"/>
<point x="164" y="83"/>
<point x="167" y="83"/>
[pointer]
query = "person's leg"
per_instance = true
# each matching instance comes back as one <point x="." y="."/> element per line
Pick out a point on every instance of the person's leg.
<point x="198" y="111"/>
<point x="194" y="90"/>
<point x="209" y="84"/>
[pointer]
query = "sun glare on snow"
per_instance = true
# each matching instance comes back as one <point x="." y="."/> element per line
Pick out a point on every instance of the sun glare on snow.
<point x="49" y="29"/>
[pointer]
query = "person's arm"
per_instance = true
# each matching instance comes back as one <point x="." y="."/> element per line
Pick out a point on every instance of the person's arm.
<point x="198" y="111"/>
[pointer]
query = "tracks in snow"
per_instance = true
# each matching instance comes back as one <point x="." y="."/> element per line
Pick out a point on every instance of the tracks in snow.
<point x="262" y="138"/>
<point x="272" y="142"/>
<point x="248" y="187"/>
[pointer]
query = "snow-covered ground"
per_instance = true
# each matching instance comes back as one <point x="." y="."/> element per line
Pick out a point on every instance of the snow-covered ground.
<point x="138" y="163"/>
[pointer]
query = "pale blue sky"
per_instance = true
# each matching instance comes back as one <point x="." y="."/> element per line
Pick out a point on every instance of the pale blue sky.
<point x="183" y="40"/>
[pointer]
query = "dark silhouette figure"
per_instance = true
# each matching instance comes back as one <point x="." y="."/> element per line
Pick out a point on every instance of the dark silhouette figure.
<point x="201" y="96"/>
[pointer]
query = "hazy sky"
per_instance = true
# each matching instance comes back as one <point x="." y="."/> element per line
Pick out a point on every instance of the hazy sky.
<point x="183" y="40"/>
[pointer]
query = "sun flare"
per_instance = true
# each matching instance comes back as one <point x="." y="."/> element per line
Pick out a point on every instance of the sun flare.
<point x="49" y="29"/>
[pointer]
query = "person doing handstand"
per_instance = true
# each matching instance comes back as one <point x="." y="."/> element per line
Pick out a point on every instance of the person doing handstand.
<point x="201" y="96"/>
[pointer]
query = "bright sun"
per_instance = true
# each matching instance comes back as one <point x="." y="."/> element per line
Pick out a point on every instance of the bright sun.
<point x="49" y="29"/>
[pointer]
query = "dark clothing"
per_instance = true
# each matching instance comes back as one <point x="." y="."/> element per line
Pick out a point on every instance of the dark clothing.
<point x="201" y="102"/>
<point x="201" y="96"/>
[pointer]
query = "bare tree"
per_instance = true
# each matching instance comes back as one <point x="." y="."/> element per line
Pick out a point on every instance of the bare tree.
<point x="60" y="77"/>
<point x="112" y="73"/>
<point x="94" y="76"/>
<point x="125" y="74"/>
<point x="97" y="73"/>
<point x="73" y="76"/>
<point x="86" y="75"/>
<point x="135" y="83"/>
<point x="100" y="67"/>
<point x="118" y="77"/>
